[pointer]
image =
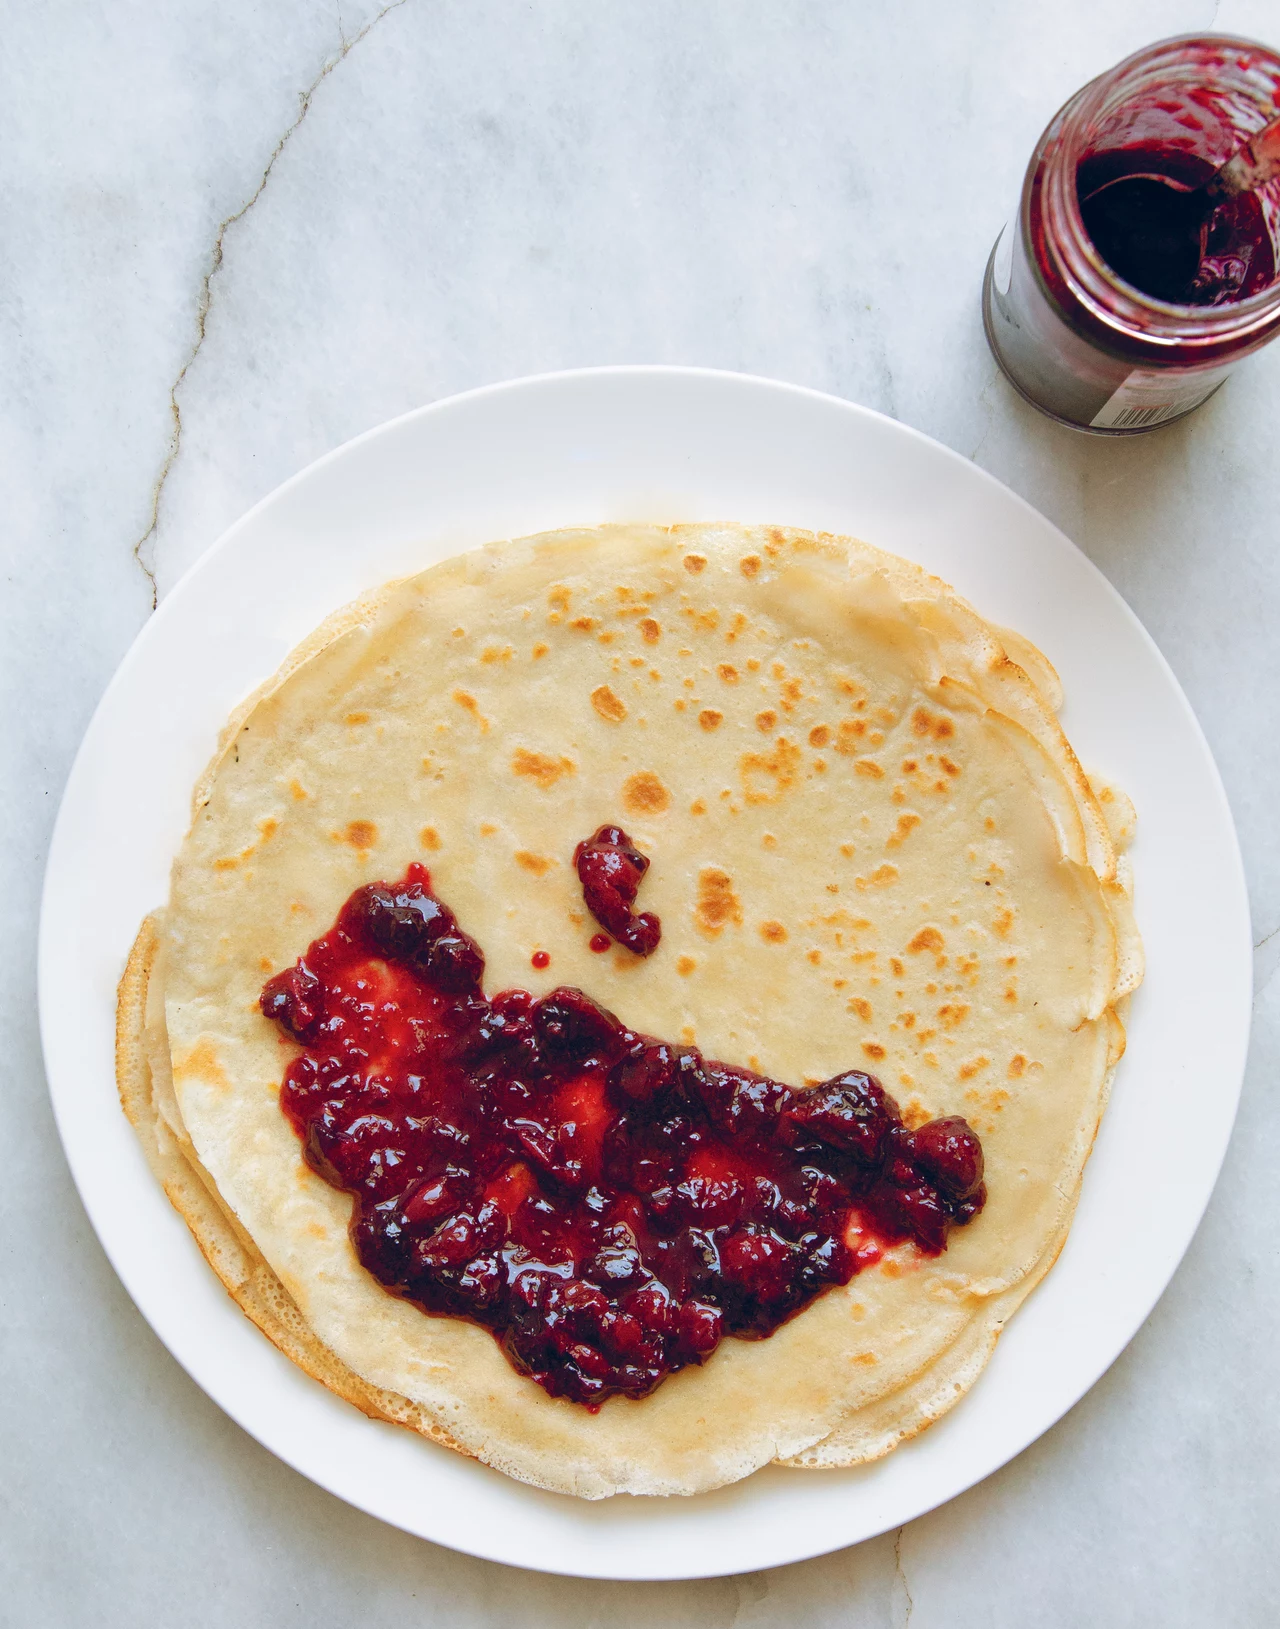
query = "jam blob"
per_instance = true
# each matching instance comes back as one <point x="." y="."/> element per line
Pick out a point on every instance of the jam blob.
<point x="610" y="869"/>
<point x="1150" y="221"/>
<point x="609" y="1205"/>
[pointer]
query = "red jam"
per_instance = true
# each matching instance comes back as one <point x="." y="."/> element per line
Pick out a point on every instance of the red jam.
<point x="1150" y="223"/>
<point x="610" y="869"/>
<point x="540" y="959"/>
<point x="610" y="1206"/>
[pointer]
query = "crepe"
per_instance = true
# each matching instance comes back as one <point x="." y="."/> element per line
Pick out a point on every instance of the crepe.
<point x="871" y="847"/>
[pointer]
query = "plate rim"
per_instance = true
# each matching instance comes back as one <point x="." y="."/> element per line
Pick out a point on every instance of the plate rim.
<point x="1231" y="858"/>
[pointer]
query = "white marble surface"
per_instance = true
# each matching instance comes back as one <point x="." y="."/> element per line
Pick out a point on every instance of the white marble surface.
<point x="234" y="236"/>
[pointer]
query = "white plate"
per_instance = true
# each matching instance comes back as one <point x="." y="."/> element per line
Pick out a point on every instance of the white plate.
<point x="661" y="444"/>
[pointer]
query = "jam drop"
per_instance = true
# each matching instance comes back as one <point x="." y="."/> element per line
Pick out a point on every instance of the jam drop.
<point x="1150" y="222"/>
<point x="610" y="869"/>
<point x="609" y="1205"/>
<point x="540" y="959"/>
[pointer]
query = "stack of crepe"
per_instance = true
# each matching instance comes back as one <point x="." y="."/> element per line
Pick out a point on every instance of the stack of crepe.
<point x="872" y="847"/>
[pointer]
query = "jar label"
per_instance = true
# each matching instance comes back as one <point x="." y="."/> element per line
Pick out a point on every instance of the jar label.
<point x="1150" y="396"/>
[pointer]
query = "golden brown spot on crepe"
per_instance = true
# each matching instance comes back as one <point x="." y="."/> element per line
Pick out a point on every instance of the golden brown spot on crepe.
<point x="909" y="766"/>
<point x="925" y="723"/>
<point x="606" y="638"/>
<point x="768" y="840"/>
<point x="584" y="624"/>
<point x="201" y="1063"/>
<point x="773" y="933"/>
<point x="298" y="791"/>
<point x="861" y="1006"/>
<point x="974" y="1067"/>
<point x="228" y="864"/>
<point x="429" y="837"/>
<point x="906" y="825"/>
<point x="356" y="718"/>
<point x="469" y="704"/>
<point x="792" y="692"/>
<point x="717" y="905"/>
<point x="819" y="735"/>
<point x="537" y="864"/>
<point x="496" y="653"/>
<point x="848" y="850"/>
<point x="268" y="826"/>
<point x="870" y="768"/>
<point x="265" y="963"/>
<point x="608" y="704"/>
<point x="891" y="1268"/>
<point x="710" y="718"/>
<point x="650" y="630"/>
<point x="558" y="596"/>
<point x="708" y="619"/>
<point x="694" y="563"/>
<point x="540" y="650"/>
<point x="907" y="1019"/>
<point x="848" y="739"/>
<point x="679" y="704"/>
<point x="915" y="1114"/>
<point x="728" y="672"/>
<point x="882" y="875"/>
<point x="951" y="769"/>
<point x="688" y="1035"/>
<point x="684" y="965"/>
<point x="459" y="633"/>
<point x="779" y="766"/>
<point x="898" y="967"/>
<point x="487" y="828"/>
<point x="360" y="834"/>
<point x="1017" y="1065"/>
<point x="749" y="565"/>
<point x="952" y="1013"/>
<point x="766" y="720"/>
<point x="815" y="956"/>
<point x="927" y="939"/>
<point x="536" y="766"/>
<point x="1011" y="995"/>
<point x="1002" y="922"/>
<point x="644" y="793"/>
<point x="873" y="1050"/>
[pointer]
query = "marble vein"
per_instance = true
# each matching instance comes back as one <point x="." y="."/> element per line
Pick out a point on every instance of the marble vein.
<point x="901" y="1573"/>
<point x="204" y="299"/>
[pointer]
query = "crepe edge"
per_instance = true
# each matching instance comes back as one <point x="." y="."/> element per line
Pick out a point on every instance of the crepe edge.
<point x="239" y="1266"/>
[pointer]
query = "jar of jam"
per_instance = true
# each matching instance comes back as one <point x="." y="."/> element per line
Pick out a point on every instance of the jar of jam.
<point x="1100" y="310"/>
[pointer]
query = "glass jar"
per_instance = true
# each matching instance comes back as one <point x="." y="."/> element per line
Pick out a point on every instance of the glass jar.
<point x="1070" y="335"/>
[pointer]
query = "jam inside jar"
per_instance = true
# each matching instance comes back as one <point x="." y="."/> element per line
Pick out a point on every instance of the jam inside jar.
<point x="1104" y="306"/>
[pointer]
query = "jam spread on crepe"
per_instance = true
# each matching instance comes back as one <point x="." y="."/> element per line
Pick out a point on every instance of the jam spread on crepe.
<point x="610" y="868"/>
<point x="609" y="1205"/>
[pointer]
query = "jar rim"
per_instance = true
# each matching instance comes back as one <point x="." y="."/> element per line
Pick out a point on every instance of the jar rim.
<point x="1121" y="311"/>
